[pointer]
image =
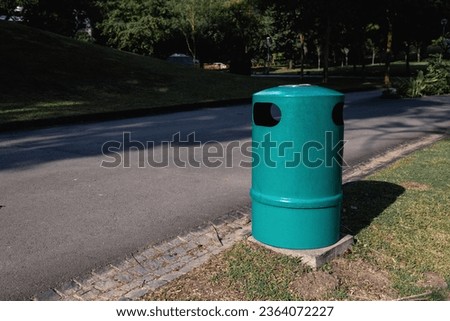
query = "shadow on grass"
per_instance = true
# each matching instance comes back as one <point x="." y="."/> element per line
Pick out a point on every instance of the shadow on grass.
<point x="364" y="201"/>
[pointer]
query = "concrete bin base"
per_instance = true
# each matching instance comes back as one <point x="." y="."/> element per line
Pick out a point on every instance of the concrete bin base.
<point x="317" y="257"/>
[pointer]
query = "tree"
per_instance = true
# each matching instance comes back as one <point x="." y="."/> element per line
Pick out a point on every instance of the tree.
<point x="240" y="32"/>
<point x="406" y="23"/>
<point x="285" y="24"/>
<point x="236" y="30"/>
<point x="59" y="16"/>
<point x="322" y="17"/>
<point x="7" y="6"/>
<point x="134" y="25"/>
<point x="193" y="18"/>
<point x="372" y="40"/>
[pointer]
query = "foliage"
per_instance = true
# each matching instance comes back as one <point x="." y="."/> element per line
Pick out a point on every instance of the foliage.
<point x="82" y="35"/>
<point x="235" y="30"/>
<point x="411" y="87"/>
<point x="7" y="6"/>
<point x="193" y="19"/>
<point x="134" y="25"/>
<point x="435" y="81"/>
<point x="239" y="29"/>
<point x="59" y="16"/>
<point x="437" y="77"/>
<point x="418" y="85"/>
<point x="227" y="29"/>
<point x="285" y="29"/>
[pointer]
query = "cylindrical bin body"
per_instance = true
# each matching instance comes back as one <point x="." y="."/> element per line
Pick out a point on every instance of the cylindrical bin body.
<point x="297" y="166"/>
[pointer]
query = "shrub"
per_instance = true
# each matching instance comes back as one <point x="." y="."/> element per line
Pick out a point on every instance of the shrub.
<point x="412" y="87"/>
<point x="435" y="81"/>
<point x="83" y="35"/>
<point x="437" y="77"/>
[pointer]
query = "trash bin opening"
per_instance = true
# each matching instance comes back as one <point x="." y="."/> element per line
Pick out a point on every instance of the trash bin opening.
<point x="338" y="114"/>
<point x="266" y="114"/>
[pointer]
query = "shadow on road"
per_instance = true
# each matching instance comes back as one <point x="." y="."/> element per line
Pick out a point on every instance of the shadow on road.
<point x="27" y="149"/>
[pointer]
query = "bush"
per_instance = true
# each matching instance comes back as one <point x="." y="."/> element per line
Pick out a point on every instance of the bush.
<point x="83" y="35"/>
<point x="412" y="87"/>
<point x="435" y="81"/>
<point x="437" y="77"/>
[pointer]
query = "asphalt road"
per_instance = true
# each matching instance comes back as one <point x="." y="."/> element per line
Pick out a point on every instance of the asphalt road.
<point x="62" y="213"/>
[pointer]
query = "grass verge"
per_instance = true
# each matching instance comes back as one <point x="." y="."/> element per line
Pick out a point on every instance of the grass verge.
<point x="400" y="217"/>
<point x="397" y="69"/>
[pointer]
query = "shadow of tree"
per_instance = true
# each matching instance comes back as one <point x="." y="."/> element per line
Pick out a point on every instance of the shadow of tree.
<point x="364" y="201"/>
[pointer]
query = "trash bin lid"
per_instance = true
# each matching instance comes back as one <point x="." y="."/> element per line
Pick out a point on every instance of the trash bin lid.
<point x="300" y="90"/>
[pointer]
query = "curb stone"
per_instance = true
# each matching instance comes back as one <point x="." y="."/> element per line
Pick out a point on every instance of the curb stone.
<point x="376" y="163"/>
<point x="116" y="115"/>
<point x="158" y="264"/>
<point x="155" y="265"/>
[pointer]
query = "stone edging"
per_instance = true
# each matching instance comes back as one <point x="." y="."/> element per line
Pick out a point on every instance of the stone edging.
<point x="156" y="265"/>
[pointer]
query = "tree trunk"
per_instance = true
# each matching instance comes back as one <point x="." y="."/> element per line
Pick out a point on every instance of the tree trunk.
<point x="363" y="62"/>
<point x="319" y="52"/>
<point x="326" y="49"/>
<point x="302" y="56"/>
<point x="408" y="49"/>
<point x="191" y="47"/>
<point x="387" y="76"/>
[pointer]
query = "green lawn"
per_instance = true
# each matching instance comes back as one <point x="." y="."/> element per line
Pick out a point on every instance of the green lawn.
<point x="397" y="69"/>
<point x="44" y="75"/>
<point x="411" y="237"/>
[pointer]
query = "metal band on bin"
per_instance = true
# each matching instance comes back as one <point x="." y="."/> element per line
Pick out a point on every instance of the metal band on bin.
<point x="272" y="200"/>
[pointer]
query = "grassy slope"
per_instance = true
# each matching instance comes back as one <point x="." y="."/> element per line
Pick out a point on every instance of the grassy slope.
<point x="46" y="75"/>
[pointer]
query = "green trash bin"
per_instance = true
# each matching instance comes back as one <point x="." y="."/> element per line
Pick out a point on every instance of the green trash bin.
<point x="297" y="144"/>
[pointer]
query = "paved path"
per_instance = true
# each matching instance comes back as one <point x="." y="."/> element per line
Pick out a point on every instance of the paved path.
<point x="62" y="214"/>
